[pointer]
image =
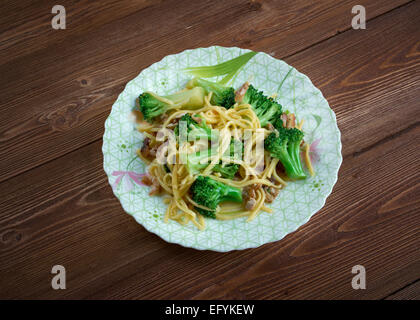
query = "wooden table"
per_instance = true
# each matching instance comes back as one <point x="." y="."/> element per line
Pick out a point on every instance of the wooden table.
<point x="57" y="88"/>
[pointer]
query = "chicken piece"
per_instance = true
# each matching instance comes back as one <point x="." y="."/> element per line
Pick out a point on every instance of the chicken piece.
<point x="249" y="196"/>
<point x="147" y="151"/>
<point x="291" y="121"/>
<point x="155" y="188"/>
<point x="152" y="182"/>
<point x="269" y="126"/>
<point x="197" y="119"/>
<point x="147" y="180"/>
<point x="240" y="93"/>
<point x="250" y="204"/>
<point x="283" y="118"/>
<point x="270" y="193"/>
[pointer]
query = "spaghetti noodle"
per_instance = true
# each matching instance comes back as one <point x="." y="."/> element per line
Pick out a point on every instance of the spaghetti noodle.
<point x="261" y="172"/>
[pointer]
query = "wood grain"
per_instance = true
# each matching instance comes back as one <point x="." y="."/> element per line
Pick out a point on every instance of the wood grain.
<point x="411" y="292"/>
<point x="57" y="86"/>
<point x="63" y="211"/>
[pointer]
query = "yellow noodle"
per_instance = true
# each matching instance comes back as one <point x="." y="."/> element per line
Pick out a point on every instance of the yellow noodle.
<point x="231" y="123"/>
<point x="308" y="160"/>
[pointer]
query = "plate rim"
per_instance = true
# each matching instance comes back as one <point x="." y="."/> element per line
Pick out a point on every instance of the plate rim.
<point x="178" y="242"/>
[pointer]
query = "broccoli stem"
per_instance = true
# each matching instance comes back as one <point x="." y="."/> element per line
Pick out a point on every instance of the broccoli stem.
<point x="222" y="96"/>
<point x="209" y="192"/>
<point x="153" y="105"/>
<point x="284" y="144"/>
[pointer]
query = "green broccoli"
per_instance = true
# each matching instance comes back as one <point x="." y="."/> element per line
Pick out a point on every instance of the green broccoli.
<point x="196" y="162"/>
<point x="152" y="105"/>
<point x="278" y="123"/>
<point x="209" y="193"/>
<point x="222" y="96"/>
<point x="227" y="171"/>
<point x="266" y="109"/>
<point x="285" y="146"/>
<point x="199" y="160"/>
<point x="196" y="130"/>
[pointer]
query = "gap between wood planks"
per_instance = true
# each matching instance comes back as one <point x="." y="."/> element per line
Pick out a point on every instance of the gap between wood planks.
<point x="413" y="285"/>
<point x="338" y="33"/>
<point x="385" y="139"/>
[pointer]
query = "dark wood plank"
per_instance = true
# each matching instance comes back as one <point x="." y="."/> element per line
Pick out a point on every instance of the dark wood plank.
<point x="411" y="292"/>
<point x="74" y="220"/>
<point x="372" y="85"/>
<point x="58" y="97"/>
<point x="63" y="212"/>
<point x="25" y="25"/>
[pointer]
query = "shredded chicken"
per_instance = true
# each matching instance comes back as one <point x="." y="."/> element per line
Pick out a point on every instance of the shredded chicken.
<point x="163" y="117"/>
<point x="250" y="195"/>
<point x="269" y="126"/>
<point x="197" y="119"/>
<point x="240" y="93"/>
<point x="147" y="180"/>
<point x="270" y="193"/>
<point x="283" y="118"/>
<point x="250" y="204"/>
<point x="155" y="188"/>
<point x="291" y="121"/>
<point x="152" y="182"/>
<point x="147" y="151"/>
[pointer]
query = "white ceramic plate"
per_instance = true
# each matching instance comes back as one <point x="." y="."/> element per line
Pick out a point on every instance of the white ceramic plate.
<point x="294" y="205"/>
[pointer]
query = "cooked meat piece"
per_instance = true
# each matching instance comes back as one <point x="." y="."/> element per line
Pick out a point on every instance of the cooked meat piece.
<point x="250" y="195"/>
<point x="283" y="118"/>
<point x="155" y="189"/>
<point x="197" y="119"/>
<point x="147" y="180"/>
<point x="163" y="117"/>
<point x="147" y="151"/>
<point x="269" y="126"/>
<point x="152" y="182"/>
<point x="291" y="121"/>
<point x="270" y="193"/>
<point x="240" y="93"/>
<point x="250" y="204"/>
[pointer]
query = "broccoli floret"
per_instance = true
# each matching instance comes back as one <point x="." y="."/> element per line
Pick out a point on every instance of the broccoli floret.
<point x="196" y="130"/>
<point x="239" y="146"/>
<point x="196" y="162"/>
<point x="266" y="109"/>
<point x="152" y="105"/>
<point x="228" y="171"/>
<point x="222" y="96"/>
<point x="209" y="193"/>
<point x="278" y="123"/>
<point x="285" y="146"/>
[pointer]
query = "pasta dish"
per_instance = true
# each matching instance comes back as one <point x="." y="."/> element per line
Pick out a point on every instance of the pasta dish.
<point x="216" y="153"/>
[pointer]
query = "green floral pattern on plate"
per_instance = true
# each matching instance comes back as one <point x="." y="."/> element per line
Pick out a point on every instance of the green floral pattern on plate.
<point x="295" y="204"/>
